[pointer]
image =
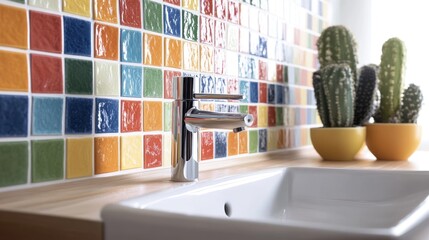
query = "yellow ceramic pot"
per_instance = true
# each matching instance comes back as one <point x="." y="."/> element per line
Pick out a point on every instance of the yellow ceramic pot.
<point x="393" y="141"/>
<point x="338" y="144"/>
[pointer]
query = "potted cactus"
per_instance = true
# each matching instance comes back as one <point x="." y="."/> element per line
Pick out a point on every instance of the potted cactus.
<point x="344" y="99"/>
<point x="395" y="134"/>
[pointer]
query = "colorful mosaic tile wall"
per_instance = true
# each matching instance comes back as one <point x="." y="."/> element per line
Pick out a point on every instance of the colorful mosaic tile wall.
<point x="86" y="85"/>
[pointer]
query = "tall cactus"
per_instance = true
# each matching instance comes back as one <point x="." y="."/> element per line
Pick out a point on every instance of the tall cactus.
<point x="411" y="104"/>
<point x="390" y="75"/>
<point x="336" y="44"/>
<point x="338" y="90"/>
<point x="365" y="94"/>
<point x="322" y="108"/>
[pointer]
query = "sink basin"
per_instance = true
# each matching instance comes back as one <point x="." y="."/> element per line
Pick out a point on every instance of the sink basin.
<point x="286" y="203"/>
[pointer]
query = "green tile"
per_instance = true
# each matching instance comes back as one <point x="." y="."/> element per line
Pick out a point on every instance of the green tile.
<point x="279" y="116"/>
<point x="167" y="116"/>
<point x="18" y="1"/>
<point x="152" y="14"/>
<point x="152" y="79"/>
<point x="253" y="141"/>
<point x="190" y="26"/>
<point x="47" y="160"/>
<point x="13" y="163"/>
<point x="78" y="76"/>
<point x="244" y="109"/>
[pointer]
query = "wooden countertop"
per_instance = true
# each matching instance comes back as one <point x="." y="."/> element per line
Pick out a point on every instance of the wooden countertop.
<point x="71" y="210"/>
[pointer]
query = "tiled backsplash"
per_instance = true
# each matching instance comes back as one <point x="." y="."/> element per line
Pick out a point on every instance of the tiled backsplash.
<point x="86" y="85"/>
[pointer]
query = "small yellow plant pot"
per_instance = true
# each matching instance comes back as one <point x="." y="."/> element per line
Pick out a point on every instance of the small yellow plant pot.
<point x="393" y="141"/>
<point x="338" y="144"/>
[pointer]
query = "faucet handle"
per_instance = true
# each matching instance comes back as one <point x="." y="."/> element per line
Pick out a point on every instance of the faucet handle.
<point x="218" y="96"/>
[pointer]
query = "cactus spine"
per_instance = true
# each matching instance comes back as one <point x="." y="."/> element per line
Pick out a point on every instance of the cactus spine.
<point x="390" y="75"/>
<point x="336" y="92"/>
<point x="411" y="104"/>
<point x="337" y="45"/>
<point x="365" y="95"/>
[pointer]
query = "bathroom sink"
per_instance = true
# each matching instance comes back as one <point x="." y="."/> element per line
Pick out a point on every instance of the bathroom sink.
<point x="286" y="203"/>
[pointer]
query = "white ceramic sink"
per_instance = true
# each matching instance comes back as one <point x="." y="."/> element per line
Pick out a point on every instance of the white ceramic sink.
<point x="288" y="203"/>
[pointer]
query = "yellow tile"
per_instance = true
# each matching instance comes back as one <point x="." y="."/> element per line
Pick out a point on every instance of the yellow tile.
<point x="191" y="56"/>
<point x="79" y="157"/>
<point x="262" y="116"/>
<point x="207" y="59"/>
<point x="190" y="4"/>
<point x="152" y="116"/>
<point x="166" y="150"/>
<point x="13" y="27"/>
<point x="78" y="7"/>
<point x="273" y="137"/>
<point x="13" y="71"/>
<point x="131" y="152"/>
<point x="106" y="10"/>
<point x="172" y="53"/>
<point x="152" y="49"/>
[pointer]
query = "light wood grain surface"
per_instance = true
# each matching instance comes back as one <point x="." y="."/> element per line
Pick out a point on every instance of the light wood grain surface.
<point x="82" y="201"/>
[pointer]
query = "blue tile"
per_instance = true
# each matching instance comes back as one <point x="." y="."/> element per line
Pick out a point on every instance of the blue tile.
<point x="78" y="115"/>
<point x="287" y="96"/>
<point x="280" y="94"/>
<point x="220" y="85"/>
<point x="47" y="118"/>
<point x="252" y="69"/>
<point x="131" y="81"/>
<point x="13" y="116"/>
<point x="244" y="90"/>
<point x="207" y="84"/>
<point x="171" y="21"/>
<point x="131" y="46"/>
<point x="242" y="66"/>
<point x="271" y="93"/>
<point x="77" y="37"/>
<point x="254" y="92"/>
<point x="262" y="140"/>
<point x="262" y="47"/>
<point x="220" y="144"/>
<point x="106" y="115"/>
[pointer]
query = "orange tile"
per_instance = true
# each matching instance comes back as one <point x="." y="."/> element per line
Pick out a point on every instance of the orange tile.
<point x="191" y="59"/>
<point x="242" y="142"/>
<point x="13" y="27"/>
<point x="106" y="10"/>
<point x="232" y="144"/>
<point x="13" y="71"/>
<point x="152" y="116"/>
<point x="152" y="49"/>
<point x="79" y="157"/>
<point x="172" y="53"/>
<point x="106" y="154"/>
<point x="106" y="42"/>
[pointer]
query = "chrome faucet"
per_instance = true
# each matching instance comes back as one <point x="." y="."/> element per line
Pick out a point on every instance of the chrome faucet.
<point x="187" y="119"/>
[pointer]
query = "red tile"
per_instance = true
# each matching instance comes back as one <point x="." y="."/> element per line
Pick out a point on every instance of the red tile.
<point x="263" y="70"/>
<point x="130" y="12"/>
<point x="221" y="8"/>
<point x="220" y="59"/>
<point x="46" y="74"/>
<point x="206" y="145"/>
<point x="206" y="30"/>
<point x="271" y="116"/>
<point x="168" y="83"/>
<point x="175" y="2"/>
<point x="234" y="12"/>
<point x="152" y="151"/>
<point x="262" y="92"/>
<point x="297" y="38"/>
<point x="207" y="7"/>
<point x="253" y="110"/>
<point x="45" y="32"/>
<point x="131" y="120"/>
<point x="279" y="73"/>
<point x="232" y="86"/>
<point x="220" y="34"/>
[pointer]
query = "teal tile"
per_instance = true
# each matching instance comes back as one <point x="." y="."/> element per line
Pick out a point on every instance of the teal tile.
<point x="152" y="14"/>
<point x="190" y="26"/>
<point x="167" y="116"/>
<point x="78" y="76"/>
<point x="13" y="163"/>
<point x="47" y="116"/>
<point x="152" y="79"/>
<point x="253" y="141"/>
<point x="47" y="160"/>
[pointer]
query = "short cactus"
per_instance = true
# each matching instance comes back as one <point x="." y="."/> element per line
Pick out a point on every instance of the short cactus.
<point x="411" y="103"/>
<point x="335" y="95"/>
<point x="390" y="76"/>
<point x="365" y="95"/>
<point x="336" y="44"/>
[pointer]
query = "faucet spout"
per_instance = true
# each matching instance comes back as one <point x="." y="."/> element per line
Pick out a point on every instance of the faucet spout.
<point x="196" y="119"/>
